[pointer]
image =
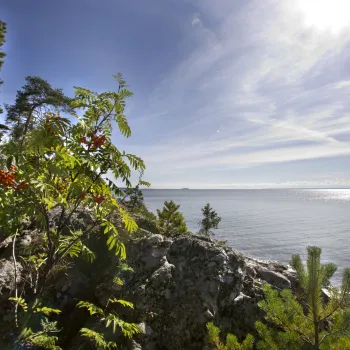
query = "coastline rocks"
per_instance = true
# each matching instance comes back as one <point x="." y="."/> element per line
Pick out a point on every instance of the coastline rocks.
<point x="181" y="283"/>
<point x="178" y="284"/>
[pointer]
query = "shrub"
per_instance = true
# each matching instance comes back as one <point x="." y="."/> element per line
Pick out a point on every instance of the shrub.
<point x="170" y="220"/>
<point x="210" y="221"/>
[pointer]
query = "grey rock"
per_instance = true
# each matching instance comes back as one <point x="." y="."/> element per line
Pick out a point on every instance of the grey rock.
<point x="7" y="275"/>
<point x="274" y="278"/>
<point x="156" y="239"/>
<point x="189" y="280"/>
<point x="135" y="345"/>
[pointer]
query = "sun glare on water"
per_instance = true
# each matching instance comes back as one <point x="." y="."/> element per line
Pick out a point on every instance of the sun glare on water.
<point x="326" y="15"/>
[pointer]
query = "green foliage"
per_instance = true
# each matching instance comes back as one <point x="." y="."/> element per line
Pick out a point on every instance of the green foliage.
<point x="73" y="247"/>
<point x="110" y="319"/>
<point x="35" y="99"/>
<point x="55" y="163"/>
<point x="2" y="56"/>
<point x="41" y="339"/>
<point x="128" y="329"/>
<point x="210" y="221"/>
<point x="135" y="198"/>
<point x="307" y="321"/>
<point x="20" y="302"/>
<point x="47" y="310"/>
<point x="170" y="220"/>
<point x="92" y="308"/>
<point x="122" y="302"/>
<point x="232" y="342"/>
<point x="98" y="339"/>
<point x="2" y="41"/>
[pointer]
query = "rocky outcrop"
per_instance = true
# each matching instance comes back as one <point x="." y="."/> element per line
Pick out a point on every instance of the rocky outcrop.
<point x="181" y="283"/>
<point x="178" y="284"/>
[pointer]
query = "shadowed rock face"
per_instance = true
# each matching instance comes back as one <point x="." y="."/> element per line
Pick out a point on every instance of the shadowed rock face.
<point x="181" y="283"/>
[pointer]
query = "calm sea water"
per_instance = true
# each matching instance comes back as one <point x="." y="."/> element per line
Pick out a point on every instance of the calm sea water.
<point x="272" y="224"/>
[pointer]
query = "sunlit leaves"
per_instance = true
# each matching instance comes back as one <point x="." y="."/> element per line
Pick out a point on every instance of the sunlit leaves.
<point x="129" y="223"/>
<point x="20" y="302"/>
<point x="47" y="310"/>
<point x="123" y="125"/>
<point x="128" y="329"/>
<point x="232" y="342"/>
<point x="62" y="166"/>
<point x="110" y="319"/>
<point x="92" y="308"/>
<point x="122" y="302"/>
<point x="98" y="339"/>
<point x="41" y="339"/>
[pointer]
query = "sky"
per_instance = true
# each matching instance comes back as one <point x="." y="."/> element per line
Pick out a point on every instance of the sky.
<point x="227" y="93"/>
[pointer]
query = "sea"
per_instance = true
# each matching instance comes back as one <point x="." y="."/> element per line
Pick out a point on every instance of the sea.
<point x="271" y="224"/>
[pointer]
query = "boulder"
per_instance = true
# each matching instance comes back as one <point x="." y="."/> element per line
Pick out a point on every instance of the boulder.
<point x="181" y="283"/>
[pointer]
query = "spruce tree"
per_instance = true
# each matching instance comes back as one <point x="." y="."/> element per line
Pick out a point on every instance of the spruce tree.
<point x="210" y="221"/>
<point x="170" y="220"/>
<point x="306" y="320"/>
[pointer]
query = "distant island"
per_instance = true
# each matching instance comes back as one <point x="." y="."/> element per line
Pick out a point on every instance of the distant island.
<point x="185" y="188"/>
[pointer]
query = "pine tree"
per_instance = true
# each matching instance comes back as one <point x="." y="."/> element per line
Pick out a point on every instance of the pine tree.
<point x="2" y="41"/>
<point x="232" y="342"/>
<point x="32" y="102"/>
<point x="135" y="197"/>
<point x="307" y="320"/>
<point x="2" y="56"/>
<point x="170" y="220"/>
<point x="210" y="221"/>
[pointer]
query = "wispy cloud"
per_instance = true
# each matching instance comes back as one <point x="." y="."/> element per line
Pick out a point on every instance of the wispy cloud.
<point x="272" y="83"/>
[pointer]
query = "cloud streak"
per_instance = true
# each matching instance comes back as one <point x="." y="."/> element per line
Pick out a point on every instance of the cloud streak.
<point x="274" y="85"/>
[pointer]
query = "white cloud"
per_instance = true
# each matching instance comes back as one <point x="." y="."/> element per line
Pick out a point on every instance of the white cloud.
<point x="268" y="82"/>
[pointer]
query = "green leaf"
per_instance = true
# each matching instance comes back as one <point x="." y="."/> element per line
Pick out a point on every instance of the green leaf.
<point x="123" y="125"/>
<point x="47" y="310"/>
<point x="20" y="302"/>
<point x="92" y="308"/>
<point x="122" y="302"/>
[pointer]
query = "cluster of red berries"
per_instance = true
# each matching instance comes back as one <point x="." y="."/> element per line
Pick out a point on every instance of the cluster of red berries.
<point x="99" y="199"/>
<point x="7" y="179"/>
<point x="95" y="140"/>
<point x="99" y="141"/>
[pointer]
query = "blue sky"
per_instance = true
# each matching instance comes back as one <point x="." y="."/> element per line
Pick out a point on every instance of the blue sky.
<point x="227" y="94"/>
